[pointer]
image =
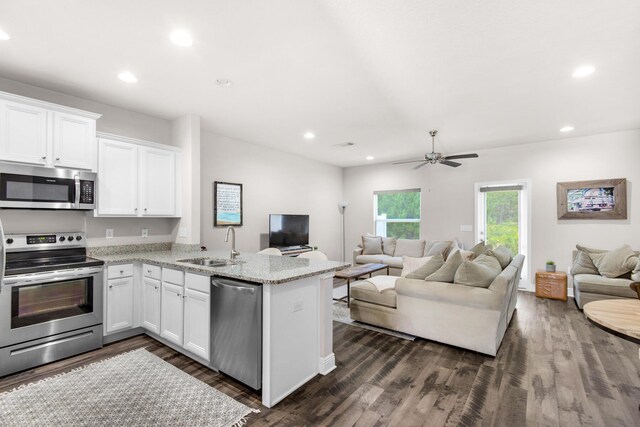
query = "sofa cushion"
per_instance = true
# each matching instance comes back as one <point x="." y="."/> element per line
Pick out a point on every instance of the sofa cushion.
<point x="427" y="269"/>
<point x="366" y="291"/>
<point x="409" y="247"/>
<point x="434" y="247"/>
<point x="410" y="264"/>
<point x="376" y="259"/>
<point x="395" y="262"/>
<point x="616" y="262"/>
<point x="596" y="284"/>
<point x="447" y="272"/>
<point x="450" y="293"/>
<point x="388" y="245"/>
<point x="371" y="245"/>
<point x="503" y="255"/>
<point x="582" y="264"/>
<point x="480" y="272"/>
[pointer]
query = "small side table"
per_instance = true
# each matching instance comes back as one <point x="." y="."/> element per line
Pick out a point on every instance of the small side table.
<point x="551" y="285"/>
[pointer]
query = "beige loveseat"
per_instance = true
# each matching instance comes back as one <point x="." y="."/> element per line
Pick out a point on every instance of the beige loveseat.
<point x="464" y="316"/>
<point x="403" y="247"/>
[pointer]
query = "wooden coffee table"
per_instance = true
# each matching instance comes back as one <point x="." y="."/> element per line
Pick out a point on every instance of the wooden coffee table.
<point x="355" y="273"/>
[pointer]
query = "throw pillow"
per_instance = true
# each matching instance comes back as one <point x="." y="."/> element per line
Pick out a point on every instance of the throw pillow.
<point x="635" y="274"/>
<point x="480" y="272"/>
<point x="479" y="249"/>
<point x="409" y="247"/>
<point x="582" y="264"/>
<point x="388" y="245"/>
<point x="614" y="263"/>
<point x="430" y="267"/>
<point x="438" y="247"/>
<point x="466" y="255"/>
<point x="447" y="272"/>
<point x="502" y="254"/>
<point x="371" y="245"/>
<point x="411" y="264"/>
<point x="590" y="250"/>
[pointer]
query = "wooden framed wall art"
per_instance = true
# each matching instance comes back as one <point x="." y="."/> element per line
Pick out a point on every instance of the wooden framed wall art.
<point x="601" y="199"/>
<point x="227" y="204"/>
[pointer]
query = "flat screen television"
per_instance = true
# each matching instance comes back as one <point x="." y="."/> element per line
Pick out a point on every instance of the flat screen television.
<point x="288" y="230"/>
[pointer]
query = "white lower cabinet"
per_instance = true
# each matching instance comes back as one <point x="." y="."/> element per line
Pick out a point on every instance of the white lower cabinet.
<point x="196" y="323"/>
<point x="151" y="304"/>
<point x="172" y="313"/>
<point x="119" y="304"/>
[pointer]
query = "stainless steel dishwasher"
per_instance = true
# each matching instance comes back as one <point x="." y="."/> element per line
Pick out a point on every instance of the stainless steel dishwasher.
<point x="236" y="330"/>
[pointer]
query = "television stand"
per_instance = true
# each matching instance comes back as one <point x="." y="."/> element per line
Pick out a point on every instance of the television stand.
<point x="295" y="250"/>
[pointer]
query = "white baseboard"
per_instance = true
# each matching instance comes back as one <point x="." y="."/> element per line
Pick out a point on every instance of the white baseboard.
<point x="327" y="364"/>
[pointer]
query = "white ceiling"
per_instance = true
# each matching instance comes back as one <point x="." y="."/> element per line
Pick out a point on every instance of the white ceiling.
<point x="379" y="73"/>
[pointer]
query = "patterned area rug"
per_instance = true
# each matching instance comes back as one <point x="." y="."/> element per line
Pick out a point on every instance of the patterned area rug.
<point x="134" y="388"/>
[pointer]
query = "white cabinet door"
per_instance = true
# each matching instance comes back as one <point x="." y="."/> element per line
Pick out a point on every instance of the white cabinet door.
<point x="171" y="314"/>
<point x="196" y="323"/>
<point x="74" y="140"/>
<point x="157" y="182"/>
<point x="117" y="178"/>
<point x="119" y="304"/>
<point x="151" y="304"/>
<point x="23" y="133"/>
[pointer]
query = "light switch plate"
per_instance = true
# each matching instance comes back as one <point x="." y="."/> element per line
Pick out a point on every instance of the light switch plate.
<point x="466" y="227"/>
<point x="109" y="233"/>
<point x="145" y="232"/>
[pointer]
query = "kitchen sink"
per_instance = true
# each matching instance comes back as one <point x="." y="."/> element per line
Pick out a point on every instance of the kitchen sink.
<point x="212" y="262"/>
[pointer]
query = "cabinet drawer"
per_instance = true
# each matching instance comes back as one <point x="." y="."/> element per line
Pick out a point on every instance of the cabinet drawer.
<point x="173" y="276"/>
<point x="551" y="291"/>
<point x="198" y="282"/>
<point x="122" y="270"/>
<point x="152" y="271"/>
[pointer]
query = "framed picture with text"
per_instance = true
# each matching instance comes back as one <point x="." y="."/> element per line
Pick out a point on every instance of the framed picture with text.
<point x="227" y="204"/>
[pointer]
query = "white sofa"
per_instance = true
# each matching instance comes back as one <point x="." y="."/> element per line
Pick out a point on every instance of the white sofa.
<point x="464" y="316"/>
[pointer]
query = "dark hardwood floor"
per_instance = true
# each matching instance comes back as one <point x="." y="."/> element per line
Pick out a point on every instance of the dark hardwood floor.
<point x="554" y="368"/>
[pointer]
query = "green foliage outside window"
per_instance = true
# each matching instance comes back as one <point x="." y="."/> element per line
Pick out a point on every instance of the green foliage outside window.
<point x="401" y="205"/>
<point x="502" y="219"/>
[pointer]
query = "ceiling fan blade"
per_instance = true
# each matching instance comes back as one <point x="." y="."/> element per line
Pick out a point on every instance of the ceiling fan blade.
<point x="452" y="164"/>
<point x="462" y="156"/>
<point x="407" y="161"/>
<point x="419" y="166"/>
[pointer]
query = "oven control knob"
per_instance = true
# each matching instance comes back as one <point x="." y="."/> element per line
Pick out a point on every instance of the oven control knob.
<point x="78" y="238"/>
<point x="9" y="241"/>
<point x="70" y="238"/>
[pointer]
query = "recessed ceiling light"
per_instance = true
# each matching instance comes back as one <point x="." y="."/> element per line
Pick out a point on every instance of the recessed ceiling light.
<point x="370" y="157"/>
<point x="566" y="129"/>
<point x="309" y="135"/>
<point x="224" y="82"/>
<point x="4" y="36"/>
<point x="181" y="38"/>
<point x="583" y="71"/>
<point x="127" y="76"/>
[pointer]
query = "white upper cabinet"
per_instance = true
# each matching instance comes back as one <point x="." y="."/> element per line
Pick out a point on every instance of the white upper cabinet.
<point x="45" y="134"/>
<point x="137" y="178"/>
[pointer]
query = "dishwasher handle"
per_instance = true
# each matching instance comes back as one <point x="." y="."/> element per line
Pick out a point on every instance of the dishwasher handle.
<point x="237" y="288"/>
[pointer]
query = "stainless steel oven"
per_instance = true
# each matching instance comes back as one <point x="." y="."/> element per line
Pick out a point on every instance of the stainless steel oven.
<point x="50" y="300"/>
<point x="34" y="187"/>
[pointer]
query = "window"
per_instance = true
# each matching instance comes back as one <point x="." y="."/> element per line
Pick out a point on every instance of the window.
<point x="397" y="213"/>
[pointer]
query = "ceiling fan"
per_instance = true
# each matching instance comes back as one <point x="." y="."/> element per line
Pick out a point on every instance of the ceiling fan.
<point x="433" y="157"/>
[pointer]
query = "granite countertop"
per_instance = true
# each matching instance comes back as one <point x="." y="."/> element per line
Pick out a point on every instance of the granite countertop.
<point x="260" y="268"/>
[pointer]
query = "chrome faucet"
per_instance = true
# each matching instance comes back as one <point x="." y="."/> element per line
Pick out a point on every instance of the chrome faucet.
<point x="234" y="253"/>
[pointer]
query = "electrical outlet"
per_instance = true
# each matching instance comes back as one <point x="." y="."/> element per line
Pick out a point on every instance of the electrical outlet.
<point x="109" y="233"/>
<point x="145" y="232"/>
<point x="466" y="228"/>
<point x="182" y="232"/>
<point x="297" y="306"/>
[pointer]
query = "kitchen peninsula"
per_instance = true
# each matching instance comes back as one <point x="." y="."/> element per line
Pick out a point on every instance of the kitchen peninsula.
<point x="297" y="332"/>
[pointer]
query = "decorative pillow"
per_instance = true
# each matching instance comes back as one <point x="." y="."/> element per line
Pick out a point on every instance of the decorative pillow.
<point x="615" y="263"/>
<point x="447" y="272"/>
<point x="371" y="245"/>
<point x="635" y="274"/>
<point x="438" y="247"/>
<point x="466" y="255"/>
<point x="582" y="264"/>
<point x="409" y="247"/>
<point x="411" y="264"/>
<point x="388" y="245"/>
<point x="502" y="254"/>
<point x="480" y="272"/>
<point x="590" y="250"/>
<point x="479" y="249"/>
<point x="430" y="267"/>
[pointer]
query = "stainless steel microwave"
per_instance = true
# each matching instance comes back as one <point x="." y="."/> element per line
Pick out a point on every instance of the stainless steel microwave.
<point x="34" y="187"/>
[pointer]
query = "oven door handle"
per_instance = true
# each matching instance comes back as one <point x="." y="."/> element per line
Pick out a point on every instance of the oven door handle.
<point x="77" y="201"/>
<point x="56" y="276"/>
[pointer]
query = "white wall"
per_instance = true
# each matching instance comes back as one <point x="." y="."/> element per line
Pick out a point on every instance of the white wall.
<point x="114" y="120"/>
<point x="273" y="182"/>
<point x="448" y="193"/>
<point x="186" y="135"/>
